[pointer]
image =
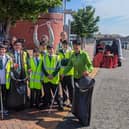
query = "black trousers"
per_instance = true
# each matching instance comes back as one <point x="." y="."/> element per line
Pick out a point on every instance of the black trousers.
<point x="35" y="97"/>
<point x="4" y="95"/>
<point x="48" y="87"/>
<point x="67" y="83"/>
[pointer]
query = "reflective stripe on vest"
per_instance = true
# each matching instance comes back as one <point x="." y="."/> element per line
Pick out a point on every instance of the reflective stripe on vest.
<point x="35" y="77"/>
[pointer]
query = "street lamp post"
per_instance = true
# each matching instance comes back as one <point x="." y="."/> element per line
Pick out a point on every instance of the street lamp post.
<point x="66" y="28"/>
<point x="64" y="18"/>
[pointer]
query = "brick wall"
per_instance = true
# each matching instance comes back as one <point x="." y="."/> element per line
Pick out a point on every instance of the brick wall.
<point x="24" y="29"/>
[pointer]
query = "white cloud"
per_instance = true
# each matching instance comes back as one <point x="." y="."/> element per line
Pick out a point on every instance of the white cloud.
<point x="110" y="8"/>
<point x="114" y="14"/>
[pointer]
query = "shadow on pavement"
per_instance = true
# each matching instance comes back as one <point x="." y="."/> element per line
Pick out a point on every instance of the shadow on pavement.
<point x="70" y="123"/>
<point x="40" y="119"/>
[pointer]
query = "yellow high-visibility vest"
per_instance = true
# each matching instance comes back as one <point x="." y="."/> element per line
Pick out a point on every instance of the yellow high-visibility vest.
<point x="25" y="62"/>
<point x="36" y="74"/>
<point x="8" y="70"/>
<point x="66" y="55"/>
<point x="50" y="67"/>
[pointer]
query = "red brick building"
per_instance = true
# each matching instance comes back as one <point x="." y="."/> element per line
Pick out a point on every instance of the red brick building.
<point x="24" y="29"/>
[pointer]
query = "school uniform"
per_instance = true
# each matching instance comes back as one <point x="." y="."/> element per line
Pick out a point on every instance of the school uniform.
<point x="5" y="65"/>
<point x="51" y="66"/>
<point x="35" y="83"/>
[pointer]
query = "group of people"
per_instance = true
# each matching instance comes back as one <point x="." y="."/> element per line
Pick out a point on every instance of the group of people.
<point x="55" y="70"/>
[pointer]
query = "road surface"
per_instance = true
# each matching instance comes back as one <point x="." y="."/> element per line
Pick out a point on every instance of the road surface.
<point x="110" y="105"/>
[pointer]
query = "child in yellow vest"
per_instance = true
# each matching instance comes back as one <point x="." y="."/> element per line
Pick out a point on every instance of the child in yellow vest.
<point x="5" y="67"/>
<point x="51" y="67"/>
<point x="67" y="81"/>
<point x="35" y="78"/>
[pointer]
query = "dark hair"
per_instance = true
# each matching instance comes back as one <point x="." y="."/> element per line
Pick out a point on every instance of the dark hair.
<point x="22" y="41"/>
<point x="6" y="42"/>
<point x="3" y="45"/>
<point x="77" y="42"/>
<point x="36" y="50"/>
<point x="50" y="46"/>
<point x="65" y="42"/>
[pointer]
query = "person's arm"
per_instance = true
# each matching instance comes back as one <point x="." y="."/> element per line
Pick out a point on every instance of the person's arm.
<point x="51" y="33"/>
<point x="68" y="67"/>
<point x="35" y="36"/>
<point x="44" y="70"/>
<point x="89" y="66"/>
<point x="56" y="70"/>
<point x="58" y="47"/>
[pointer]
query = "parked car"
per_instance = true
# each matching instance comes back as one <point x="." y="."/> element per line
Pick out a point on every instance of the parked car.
<point x="109" y="43"/>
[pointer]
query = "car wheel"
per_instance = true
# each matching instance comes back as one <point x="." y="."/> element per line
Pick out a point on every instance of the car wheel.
<point x="119" y="63"/>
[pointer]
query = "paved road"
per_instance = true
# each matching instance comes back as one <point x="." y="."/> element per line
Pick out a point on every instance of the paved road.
<point x="110" y="108"/>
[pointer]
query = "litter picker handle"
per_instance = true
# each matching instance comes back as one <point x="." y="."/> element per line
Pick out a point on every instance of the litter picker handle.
<point x="53" y="99"/>
<point x="50" y="21"/>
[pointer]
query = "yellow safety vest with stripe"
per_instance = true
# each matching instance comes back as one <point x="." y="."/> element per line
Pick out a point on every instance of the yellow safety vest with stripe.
<point x="25" y="59"/>
<point x="50" y="67"/>
<point x="8" y="70"/>
<point x="66" y="55"/>
<point x="36" y="74"/>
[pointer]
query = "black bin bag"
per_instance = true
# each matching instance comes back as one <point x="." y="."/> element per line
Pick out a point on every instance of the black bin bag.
<point x="82" y="99"/>
<point x="17" y="94"/>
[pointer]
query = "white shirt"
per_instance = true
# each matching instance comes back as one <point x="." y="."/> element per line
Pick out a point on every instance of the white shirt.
<point x="17" y="59"/>
<point x="2" y="71"/>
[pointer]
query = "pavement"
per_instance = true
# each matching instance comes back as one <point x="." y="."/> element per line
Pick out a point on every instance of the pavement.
<point x="39" y="119"/>
<point x="33" y="119"/>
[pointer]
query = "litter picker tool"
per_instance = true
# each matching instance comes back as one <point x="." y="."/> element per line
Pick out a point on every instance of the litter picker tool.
<point x="48" y="22"/>
<point x="53" y="99"/>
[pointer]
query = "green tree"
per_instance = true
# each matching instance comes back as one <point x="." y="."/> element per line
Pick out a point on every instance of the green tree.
<point x="14" y="10"/>
<point x="84" y="22"/>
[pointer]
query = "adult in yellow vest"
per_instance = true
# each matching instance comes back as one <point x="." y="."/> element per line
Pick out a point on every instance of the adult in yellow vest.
<point x="35" y="78"/>
<point x="20" y="58"/>
<point x="51" y="67"/>
<point x="67" y="81"/>
<point x="17" y="95"/>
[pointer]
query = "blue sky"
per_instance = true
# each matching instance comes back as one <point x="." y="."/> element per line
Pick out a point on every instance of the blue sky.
<point x="114" y="14"/>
